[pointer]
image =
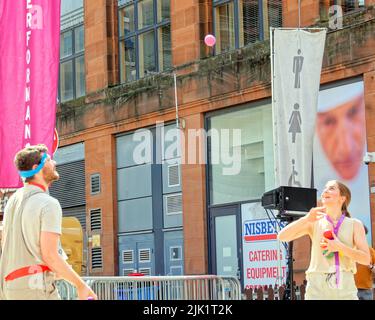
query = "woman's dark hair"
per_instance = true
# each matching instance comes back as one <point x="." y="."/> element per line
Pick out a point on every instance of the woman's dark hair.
<point x="345" y="192"/>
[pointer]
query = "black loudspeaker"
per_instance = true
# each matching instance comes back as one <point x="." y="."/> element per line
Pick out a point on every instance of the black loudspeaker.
<point x="290" y="199"/>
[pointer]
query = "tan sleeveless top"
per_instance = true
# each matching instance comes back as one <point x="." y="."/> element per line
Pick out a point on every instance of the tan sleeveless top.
<point x="322" y="264"/>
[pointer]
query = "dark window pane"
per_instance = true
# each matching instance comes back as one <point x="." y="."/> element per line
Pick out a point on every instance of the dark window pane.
<point x="126" y="20"/>
<point x="79" y="39"/>
<point x="145" y="13"/>
<point x="275" y="14"/>
<point x="350" y="5"/>
<point x="249" y="22"/>
<point x="147" y="63"/>
<point x="80" y="77"/>
<point x="128" y="54"/>
<point x="164" y="9"/>
<point x="165" y="53"/>
<point x="224" y="30"/>
<point x="66" y="44"/>
<point x="66" y="81"/>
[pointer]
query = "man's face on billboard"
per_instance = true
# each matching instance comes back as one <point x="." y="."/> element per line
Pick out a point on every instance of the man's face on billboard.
<point x="342" y="135"/>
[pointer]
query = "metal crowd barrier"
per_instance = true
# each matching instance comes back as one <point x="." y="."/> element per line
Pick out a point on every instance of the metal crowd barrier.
<point x="205" y="287"/>
<point x="66" y="290"/>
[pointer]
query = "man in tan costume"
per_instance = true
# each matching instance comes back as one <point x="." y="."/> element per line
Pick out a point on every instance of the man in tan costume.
<point x="31" y="251"/>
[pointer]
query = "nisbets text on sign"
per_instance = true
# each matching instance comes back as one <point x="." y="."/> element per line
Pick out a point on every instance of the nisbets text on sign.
<point x="258" y="230"/>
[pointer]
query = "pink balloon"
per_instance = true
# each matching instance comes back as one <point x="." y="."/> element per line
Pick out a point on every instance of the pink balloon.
<point x="210" y="40"/>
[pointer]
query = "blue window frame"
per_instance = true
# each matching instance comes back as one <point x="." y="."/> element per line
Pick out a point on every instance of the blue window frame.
<point x="145" y="38"/>
<point x="238" y="23"/>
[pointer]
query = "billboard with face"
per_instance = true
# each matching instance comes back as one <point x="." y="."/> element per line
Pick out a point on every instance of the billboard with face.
<point x="340" y="144"/>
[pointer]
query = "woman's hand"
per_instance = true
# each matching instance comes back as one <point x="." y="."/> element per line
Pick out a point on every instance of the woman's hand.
<point x="332" y="245"/>
<point x="315" y="214"/>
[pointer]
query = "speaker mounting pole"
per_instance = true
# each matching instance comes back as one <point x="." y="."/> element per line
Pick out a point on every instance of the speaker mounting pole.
<point x="289" y="290"/>
<point x="291" y="203"/>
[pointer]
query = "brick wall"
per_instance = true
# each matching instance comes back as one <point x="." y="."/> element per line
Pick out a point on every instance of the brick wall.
<point x="101" y="44"/>
<point x="369" y="83"/>
<point x="194" y="205"/>
<point x="310" y="13"/>
<point x="185" y="31"/>
<point x="100" y="158"/>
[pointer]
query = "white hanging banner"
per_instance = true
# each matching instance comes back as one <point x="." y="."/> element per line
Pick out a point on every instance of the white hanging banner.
<point x="296" y="67"/>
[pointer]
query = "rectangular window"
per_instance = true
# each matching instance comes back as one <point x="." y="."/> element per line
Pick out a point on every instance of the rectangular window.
<point x="145" y="13"/>
<point x="242" y="22"/>
<point x="72" y="64"/>
<point x="348" y="5"/>
<point x="145" y="38"/>
<point x="147" y="63"/>
<point x="66" y="80"/>
<point x="126" y="20"/>
<point x="224" y="27"/>
<point x="164" y="9"/>
<point x="165" y="50"/>
<point x="274" y="14"/>
<point x="128" y="52"/>
<point x="255" y="172"/>
<point x="249" y="28"/>
<point x="80" y="77"/>
<point x="66" y="47"/>
<point x="79" y="39"/>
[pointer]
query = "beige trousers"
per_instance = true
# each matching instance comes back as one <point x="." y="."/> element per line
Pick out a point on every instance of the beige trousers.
<point x="322" y="286"/>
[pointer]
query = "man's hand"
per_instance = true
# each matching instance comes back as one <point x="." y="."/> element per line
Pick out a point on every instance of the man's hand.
<point x="85" y="292"/>
<point x="49" y="246"/>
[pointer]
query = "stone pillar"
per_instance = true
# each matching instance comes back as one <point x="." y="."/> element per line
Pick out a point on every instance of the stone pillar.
<point x="190" y="22"/>
<point x="100" y="158"/>
<point x="194" y="204"/>
<point x="101" y="44"/>
<point x="369" y="84"/>
<point x="310" y="13"/>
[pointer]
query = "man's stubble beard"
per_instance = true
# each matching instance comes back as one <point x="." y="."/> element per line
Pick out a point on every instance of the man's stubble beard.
<point x="51" y="176"/>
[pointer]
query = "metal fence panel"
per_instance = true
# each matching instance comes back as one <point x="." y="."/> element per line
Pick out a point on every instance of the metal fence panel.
<point x="205" y="287"/>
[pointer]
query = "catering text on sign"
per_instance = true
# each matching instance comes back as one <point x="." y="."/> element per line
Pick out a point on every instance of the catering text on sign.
<point x="264" y="260"/>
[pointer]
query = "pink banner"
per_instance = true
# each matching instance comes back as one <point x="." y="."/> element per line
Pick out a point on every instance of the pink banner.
<point x="29" y="63"/>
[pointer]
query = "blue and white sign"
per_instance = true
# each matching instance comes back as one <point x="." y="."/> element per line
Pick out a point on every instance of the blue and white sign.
<point x="264" y="257"/>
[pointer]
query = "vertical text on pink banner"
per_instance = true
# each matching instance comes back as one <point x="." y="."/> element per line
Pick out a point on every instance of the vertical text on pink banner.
<point x="28" y="73"/>
<point x="34" y="20"/>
